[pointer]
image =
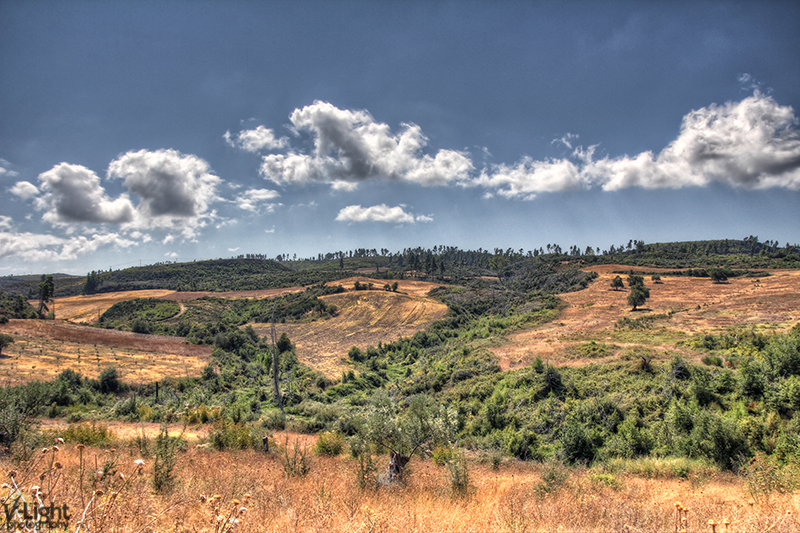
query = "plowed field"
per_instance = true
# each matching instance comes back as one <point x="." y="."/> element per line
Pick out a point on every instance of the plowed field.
<point x="364" y="318"/>
<point x="43" y="348"/>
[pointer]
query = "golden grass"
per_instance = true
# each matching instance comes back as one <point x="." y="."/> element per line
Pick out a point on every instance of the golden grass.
<point x="87" y="309"/>
<point x="365" y="318"/>
<point x="211" y="484"/>
<point x="697" y="305"/>
<point x="39" y="352"/>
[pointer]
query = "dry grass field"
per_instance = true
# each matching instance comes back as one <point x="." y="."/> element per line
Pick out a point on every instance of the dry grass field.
<point x="87" y="309"/>
<point x="249" y="491"/>
<point x="42" y="349"/>
<point x="694" y="305"/>
<point x="364" y="318"/>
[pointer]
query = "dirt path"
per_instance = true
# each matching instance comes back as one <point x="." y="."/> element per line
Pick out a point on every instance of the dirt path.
<point x="697" y="305"/>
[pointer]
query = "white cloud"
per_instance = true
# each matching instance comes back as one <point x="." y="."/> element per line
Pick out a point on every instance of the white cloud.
<point x="379" y="213"/>
<point x="529" y="177"/>
<point x="24" y="189"/>
<point x="349" y="146"/>
<point x="39" y="247"/>
<point x="5" y="169"/>
<point x="753" y="144"/>
<point x="5" y="222"/>
<point x="72" y="193"/>
<point x="256" y="140"/>
<point x="341" y="185"/>
<point x="233" y="249"/>
<point x="175" y="190"/>
<point x="253" y="199"/>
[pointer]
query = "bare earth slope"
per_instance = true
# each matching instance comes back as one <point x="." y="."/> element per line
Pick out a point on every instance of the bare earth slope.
<point x="697" y="305"/>
<point x="364" y="318"/>
<point x="87" y="309"/>
<point x="43" y="348"/>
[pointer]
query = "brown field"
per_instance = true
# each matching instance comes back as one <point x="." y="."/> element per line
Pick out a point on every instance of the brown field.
<point x="364" y="318"/>
<point x="87" y="309"/>
<point x="213" y="484"/>
<point x="42" y="349"/>
<point x="697" y="305"/>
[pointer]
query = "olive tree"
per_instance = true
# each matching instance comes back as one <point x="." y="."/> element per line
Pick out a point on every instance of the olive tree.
<point x="404" y="427"/>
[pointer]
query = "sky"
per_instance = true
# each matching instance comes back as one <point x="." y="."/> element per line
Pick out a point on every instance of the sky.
<point x="139" y="132"/>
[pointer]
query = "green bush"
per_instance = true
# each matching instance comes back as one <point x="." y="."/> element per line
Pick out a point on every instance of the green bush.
<point x="329" y="443"/>
<point x="232" y="435"/>
<point x="89" y="434"/>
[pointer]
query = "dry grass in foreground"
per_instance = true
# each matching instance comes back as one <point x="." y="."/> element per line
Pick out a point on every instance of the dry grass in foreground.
<point x="105" y="490"/>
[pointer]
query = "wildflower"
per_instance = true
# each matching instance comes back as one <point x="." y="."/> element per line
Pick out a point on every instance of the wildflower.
<point x="203" y="498"/>
<point x="235" y="502"/>
<point x="5" y="486"/>
<point x="122" y="476"/>
<point x="59" y="440"/>
<point x="138" y="462"/>
<point x="45" y="450"/>
<point x="56" y="449"/>
<point x="242" y="510"/>
<point x="58" y="466"/>
<point x="98" y="492"/>
<point x="80" y="446"/>
<point x="13" y="473"/>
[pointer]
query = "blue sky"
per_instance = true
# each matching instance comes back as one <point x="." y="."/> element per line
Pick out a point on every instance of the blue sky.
<point x="138" y="132"/>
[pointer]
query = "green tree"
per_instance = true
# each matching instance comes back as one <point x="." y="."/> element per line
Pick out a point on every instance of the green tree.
<point x="403" y="427"/>
<point x="46" y="291"/>
<point x="638" y="296"/>
<point x="718" y="275"/>
<point x="617" y="283"/>
<point x="5" y="340"/>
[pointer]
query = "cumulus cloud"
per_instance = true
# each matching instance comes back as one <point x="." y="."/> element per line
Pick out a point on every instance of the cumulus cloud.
<point x="40" y="247"/>
<point x="752" y="144"/>
<point x="5" y="222"/>
<point x="261" y="138"/>
<point x="174" y="190"/>
<point x="72" y="193"/>
<point x="529" y="177"/>
<point x="379" y="213"/>
<point x="349" y="146"/>
<point x="253" y="199"/>
<point x="24" y="189"/>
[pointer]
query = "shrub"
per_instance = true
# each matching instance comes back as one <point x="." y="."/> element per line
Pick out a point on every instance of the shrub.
<point x="295" y="461"/>
<point x="165" y="459"/>
<point x="329" y="443"/>
<point x="232" y="435"/>
<point x="458" y="475"/>
<point x="108" y="381"/>
<point x="89" y="434"/>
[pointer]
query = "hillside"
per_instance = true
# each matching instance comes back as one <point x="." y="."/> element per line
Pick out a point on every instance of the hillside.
<point x="365" y="318"/>
<point x="679" y="306"/>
